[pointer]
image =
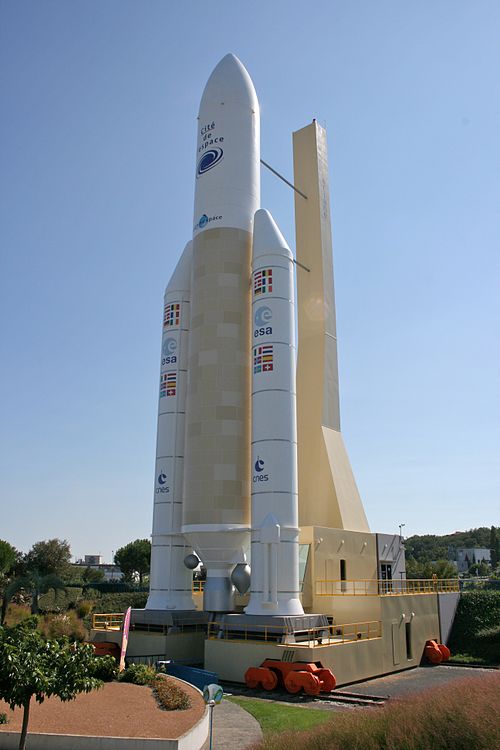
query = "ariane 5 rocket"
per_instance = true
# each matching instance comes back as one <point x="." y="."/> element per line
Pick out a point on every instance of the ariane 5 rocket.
<point x="228" y="449"/>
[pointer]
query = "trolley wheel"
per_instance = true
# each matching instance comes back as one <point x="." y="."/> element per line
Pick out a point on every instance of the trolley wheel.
<point x="312" y="685"/>
<point x="293" y="683"/>
<point x="327" y="679"/>
<point x="445" y="651"/>
<point x="269" y="679"/>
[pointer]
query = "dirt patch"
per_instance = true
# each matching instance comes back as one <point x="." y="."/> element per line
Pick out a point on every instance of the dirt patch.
<point x="116" y="710"/>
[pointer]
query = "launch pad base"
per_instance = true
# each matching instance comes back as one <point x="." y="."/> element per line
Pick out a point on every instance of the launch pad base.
<point x="168" y="621"/>
<point x="270" y="628"/>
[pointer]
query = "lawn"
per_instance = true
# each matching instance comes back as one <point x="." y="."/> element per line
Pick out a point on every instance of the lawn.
<point x="275" y="717"/>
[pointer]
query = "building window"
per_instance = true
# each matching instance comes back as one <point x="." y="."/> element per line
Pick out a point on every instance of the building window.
<point x="343" y="576"/>
<point x="408" y="640"/>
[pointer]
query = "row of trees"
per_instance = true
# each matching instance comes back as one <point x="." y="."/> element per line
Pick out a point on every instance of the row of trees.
<point x="47" y="566"/>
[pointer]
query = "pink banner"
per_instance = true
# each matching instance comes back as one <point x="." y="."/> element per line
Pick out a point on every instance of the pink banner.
<point x="126" y="627"/>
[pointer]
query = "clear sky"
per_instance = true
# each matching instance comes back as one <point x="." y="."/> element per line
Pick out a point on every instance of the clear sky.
<point x="98" y="134"/>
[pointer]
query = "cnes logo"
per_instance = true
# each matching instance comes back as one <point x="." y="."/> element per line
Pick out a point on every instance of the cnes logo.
<point x="259" y="476"/>
<point x="162" y="480"/>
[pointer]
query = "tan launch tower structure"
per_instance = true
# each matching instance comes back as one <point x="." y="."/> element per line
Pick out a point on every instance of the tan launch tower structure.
<point x="328" y="495"/>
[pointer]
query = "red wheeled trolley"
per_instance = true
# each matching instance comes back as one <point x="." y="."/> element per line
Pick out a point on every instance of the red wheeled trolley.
<point x="311" y="677"/>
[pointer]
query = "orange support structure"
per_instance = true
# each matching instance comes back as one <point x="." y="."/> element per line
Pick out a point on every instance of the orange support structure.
<point x="310" y="677"/>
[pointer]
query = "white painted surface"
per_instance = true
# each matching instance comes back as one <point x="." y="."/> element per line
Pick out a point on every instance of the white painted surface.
<point x="275" y="570"/>
<point x="170" y="580"/>
<point x="227" y="189"/>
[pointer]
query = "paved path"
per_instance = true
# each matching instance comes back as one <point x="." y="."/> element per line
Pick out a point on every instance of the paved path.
<point x="234" y="728"/>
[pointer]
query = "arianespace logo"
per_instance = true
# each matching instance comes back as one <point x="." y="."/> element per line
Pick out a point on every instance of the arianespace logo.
<point x="162" y="483"/>
<point x="204" y="220"/>
<point x="209" y="160"/>
<point x="259" y="475"/>
<point x="168" y="349"/>
<point x="263" y="316"/>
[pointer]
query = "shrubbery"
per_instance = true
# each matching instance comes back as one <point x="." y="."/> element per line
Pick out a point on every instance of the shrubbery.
<point x="475" y="630"/>
<point x="169" y="695"/>
<point x="453" y="717"/>
<point x="105" y="668"/>
<point x="138" y="674"/>
<point x="64" y="624"/>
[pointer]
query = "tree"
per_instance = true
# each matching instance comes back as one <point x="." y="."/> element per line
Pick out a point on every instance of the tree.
<point x="51" y="557"/>
<point x="8" y="557"/>
<point x="91" y="575"/>
<point x="33" y="583"/>
<point x="494" y="547"/>
<point x="32" y="667"/>
<point x="134" y="559"/>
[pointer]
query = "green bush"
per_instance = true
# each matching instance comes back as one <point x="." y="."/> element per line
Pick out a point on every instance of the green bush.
<point x="119" y="602"/>
<point x="169" y="695"/>
<point x="478" y="612"/>
<point x="84" y="607"/>
<point x="63" y="624"/>
<point x="60" y="600"/>
<point x="105" y="668"/>
<point x="4" y="719"/>
<point x="138" y="674"/>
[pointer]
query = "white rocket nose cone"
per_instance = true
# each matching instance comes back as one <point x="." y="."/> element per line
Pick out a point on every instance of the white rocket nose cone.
<point x="230" y="82"/>
<point x="267" y="238"/>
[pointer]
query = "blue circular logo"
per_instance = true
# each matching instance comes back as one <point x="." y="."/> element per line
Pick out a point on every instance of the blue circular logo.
<point x="209" y="160"/>
<point x="169" y="346"/>
<point x="162" y="478"/>
<point x="263" y="315"/>
<point x="203" y="220"/>
<point x="259" y="465"/>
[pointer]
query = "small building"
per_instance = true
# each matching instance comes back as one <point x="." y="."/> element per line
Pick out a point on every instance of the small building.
<point x="467" y="556"/>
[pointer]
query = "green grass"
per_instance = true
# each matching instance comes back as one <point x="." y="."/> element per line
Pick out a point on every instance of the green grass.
<point x="467" y="659"/>
<point x="274" y="717"/>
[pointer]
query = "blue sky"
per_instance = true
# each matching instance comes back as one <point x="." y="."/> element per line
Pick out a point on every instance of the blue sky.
<point x="98" y="134"/>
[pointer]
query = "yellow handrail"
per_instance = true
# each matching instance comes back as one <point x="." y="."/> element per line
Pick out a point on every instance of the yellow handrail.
<point x="329" y="635"/>
<point x="384" y="587"/>
<point x="108" y="621"/>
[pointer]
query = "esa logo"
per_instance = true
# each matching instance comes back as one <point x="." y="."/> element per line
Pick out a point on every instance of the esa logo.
<point x="168" y="349"/>
<point x="259" y="476"/>
<point x="162" y="483"/>
<point x="263" y="315"/>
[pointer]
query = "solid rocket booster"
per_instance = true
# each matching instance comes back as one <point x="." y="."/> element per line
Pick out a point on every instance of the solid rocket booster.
<point x="216" y="506"/>
<point x="275" y="532"/>
<point x="170" y="586"/>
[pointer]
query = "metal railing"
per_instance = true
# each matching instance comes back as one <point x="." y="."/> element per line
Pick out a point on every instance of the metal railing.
<point x="374" y="587"/>
<point x="308" y="638"/>
<point x="113" y="621"/>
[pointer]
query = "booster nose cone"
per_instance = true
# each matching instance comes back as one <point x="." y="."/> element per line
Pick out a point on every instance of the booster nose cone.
<point x="230" y="82"/>
<point x="267" y="238"/>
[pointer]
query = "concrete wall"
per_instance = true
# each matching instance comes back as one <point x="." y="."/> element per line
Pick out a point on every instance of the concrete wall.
<point x="328" y="548"/>
<point x="447" y="604"/>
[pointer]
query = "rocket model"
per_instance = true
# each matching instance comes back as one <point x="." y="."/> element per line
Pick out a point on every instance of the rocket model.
<point x="226" y="470"/>
<point x="216" y="503"/>
<point x="275" y="533"/>
<point x="170" y="581"/>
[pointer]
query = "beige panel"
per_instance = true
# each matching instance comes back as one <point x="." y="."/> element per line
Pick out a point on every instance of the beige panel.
<point x="217" y="459"/>
<point x="328" y="495"/>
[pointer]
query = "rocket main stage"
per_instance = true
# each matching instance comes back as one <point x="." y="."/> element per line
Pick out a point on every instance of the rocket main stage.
<point x="252" y="476"/>
<point x="226" y="467"/>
